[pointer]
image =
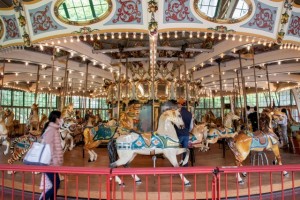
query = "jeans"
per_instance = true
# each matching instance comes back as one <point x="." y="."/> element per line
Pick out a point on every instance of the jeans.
<point x="284" y="135"/>
<point x="184" y="141"/>
<point x="50" y="193"/>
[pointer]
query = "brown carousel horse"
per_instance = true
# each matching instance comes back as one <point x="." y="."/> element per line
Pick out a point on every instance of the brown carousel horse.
<point x="104" y="132"/>
<point x="33" y="121"/>
<point x="265" y="138"/>
<point x="3" y="131"/>
<point x="9" y="121"/>
<point x="95" y="135"/>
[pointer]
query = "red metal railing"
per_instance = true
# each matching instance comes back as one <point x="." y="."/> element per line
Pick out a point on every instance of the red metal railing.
<point x="266" y="182"/>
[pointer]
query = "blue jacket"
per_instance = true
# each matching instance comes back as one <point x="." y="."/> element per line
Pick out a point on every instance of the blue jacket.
<point x="187" y="119"/>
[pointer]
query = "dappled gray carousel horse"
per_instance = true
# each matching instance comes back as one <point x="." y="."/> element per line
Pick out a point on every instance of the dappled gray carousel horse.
<point x="163" y="141"/>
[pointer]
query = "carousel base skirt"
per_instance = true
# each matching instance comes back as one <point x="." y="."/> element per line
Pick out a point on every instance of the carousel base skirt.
<point x="96" y="189"/>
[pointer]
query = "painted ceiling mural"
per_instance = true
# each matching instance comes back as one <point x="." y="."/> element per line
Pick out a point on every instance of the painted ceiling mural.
<point x="43" y="17"/>
<point x="42" y="20"/>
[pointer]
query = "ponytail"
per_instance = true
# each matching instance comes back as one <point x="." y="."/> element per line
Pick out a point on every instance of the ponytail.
<point x="45" y="127"/>
<point x="52" y="118"/>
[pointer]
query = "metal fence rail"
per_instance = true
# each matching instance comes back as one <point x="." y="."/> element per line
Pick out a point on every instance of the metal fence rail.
<point x="157" y="183"/>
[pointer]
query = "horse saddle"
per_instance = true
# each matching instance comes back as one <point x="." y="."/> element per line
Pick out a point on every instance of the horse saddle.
<point x="258" y="135"/>
<point x="222" y="130"/>
<point x="147" y="138"/>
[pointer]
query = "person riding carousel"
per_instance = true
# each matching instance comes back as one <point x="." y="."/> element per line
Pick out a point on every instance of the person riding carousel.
<point x="183" y="134"/>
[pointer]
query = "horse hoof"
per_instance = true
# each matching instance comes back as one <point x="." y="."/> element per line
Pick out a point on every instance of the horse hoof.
<point x="188" y="184"/>
<point x="122" y="184"/>
<point x="244" y="174"/>
<point x="241" y="182"/>
<point x="90" y="160"/>
<point x="112" y="165"/>
<point x="139" y="182"/>
<point x="286" y="174"/>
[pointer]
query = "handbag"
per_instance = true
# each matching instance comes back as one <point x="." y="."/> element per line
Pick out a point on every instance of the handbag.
<point x="38" y="154"/>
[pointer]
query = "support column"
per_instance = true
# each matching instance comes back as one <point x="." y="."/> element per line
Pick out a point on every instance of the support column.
<point x="244" y="90"/>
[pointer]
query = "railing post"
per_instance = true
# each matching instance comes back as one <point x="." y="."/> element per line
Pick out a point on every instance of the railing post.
<point x="108" y="189"/>
<point x="216" y="187"/>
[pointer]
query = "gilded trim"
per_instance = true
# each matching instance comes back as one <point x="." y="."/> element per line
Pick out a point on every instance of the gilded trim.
<point x="1" y="29"/>
<point x="75" y="23"/>
<point x="221" y="21"/>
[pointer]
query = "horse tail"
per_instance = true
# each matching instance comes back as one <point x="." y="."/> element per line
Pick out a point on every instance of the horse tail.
<point x="186" y="159"/>
<point x="232" y="145"/>
<point x="112" y="151"/>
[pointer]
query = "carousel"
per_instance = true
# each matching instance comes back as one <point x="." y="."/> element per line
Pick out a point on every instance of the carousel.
<point x="117" y="70"/>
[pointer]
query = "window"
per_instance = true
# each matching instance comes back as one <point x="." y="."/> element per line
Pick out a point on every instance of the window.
<point x="240" y="10"/>
<point x="6" y="98"/>
<point x="83" y="10"/>
<point x="208" y="7"/>
<point x="18" y="98"/>
<point x="223" y="9"/>
<point x="29" y="99"/>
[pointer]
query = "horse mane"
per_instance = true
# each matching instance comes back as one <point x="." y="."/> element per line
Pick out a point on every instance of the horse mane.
<point x="264" y="121"/>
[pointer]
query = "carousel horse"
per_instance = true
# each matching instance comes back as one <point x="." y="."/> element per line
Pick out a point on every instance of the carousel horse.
<point x="227" y="131"/>
<point x="3" y="131"/>
<point x="66" y="130"/>
<point x="9" y="121"/>
<point x="209" y="118"/>
<point x="20" y="146"/>
<point x="263" y="139"/>
<point x="198" y="136"/>
<point x="95" y="135"/>
<point x="68" y="111"/>
<point x="33" y="121"/>
<point x="163" y="141"/>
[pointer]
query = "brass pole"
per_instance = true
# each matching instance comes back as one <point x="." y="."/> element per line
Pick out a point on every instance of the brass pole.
<point x="119" y="92"/>
<point x="186" y="84"/>
<point x="269" y="89"/>
<point x="221" y="91"/>
<point x="244" y="90"/>
<point x="256" y="94"/>
<point x="65" y="83"/>
<point x="2" y="81"/>
<point x="37" y="84"/>
<point x="239" y="90"/>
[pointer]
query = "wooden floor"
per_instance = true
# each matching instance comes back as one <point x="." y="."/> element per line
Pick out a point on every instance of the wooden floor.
<point x="211" y="158"/>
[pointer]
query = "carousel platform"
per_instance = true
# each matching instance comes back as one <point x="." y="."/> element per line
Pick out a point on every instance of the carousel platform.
<point x="211" y="158"/>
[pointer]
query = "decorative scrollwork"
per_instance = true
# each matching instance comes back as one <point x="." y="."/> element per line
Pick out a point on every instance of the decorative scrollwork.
<point x="263" y="19"/>
<point x="129" y="11"/>
<point x="177" y="10"/>
<point x="294" y="27"/>
<point x="12" y="29"/>
<point x="41" y="21"/>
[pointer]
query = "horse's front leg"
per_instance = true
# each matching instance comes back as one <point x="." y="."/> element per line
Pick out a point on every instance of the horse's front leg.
<point x="276" y="152"/>
<point x="5" y="143"/>
<point x="170" y="154"/>
<point x="70" y="137"/>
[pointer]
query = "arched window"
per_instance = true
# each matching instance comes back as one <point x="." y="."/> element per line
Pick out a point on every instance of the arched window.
<point x="223" y="9"/>
<point x="82" y="11"/>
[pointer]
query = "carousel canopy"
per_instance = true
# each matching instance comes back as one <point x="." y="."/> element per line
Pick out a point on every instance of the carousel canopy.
<point x="89" y="47"/>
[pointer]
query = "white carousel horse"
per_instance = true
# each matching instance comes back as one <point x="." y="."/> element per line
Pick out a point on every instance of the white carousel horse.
<point x="164" y="141"/>
<point x="3" y="131"/>
<point x="227" y="131"/>
<point x="198" y="136"/>
<point x="66" y="132"/>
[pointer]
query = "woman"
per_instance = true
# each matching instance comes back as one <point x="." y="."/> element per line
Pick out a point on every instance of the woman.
<point x="51" y="136"/>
